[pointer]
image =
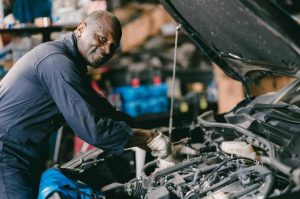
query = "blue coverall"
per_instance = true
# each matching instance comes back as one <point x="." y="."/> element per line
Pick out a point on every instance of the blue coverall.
<point x="46" y="87"/>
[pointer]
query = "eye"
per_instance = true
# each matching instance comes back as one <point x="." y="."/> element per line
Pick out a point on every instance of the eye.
<point x="102" y="39"/>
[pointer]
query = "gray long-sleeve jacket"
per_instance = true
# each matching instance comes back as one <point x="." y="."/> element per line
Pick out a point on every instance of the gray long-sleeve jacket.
<point x="47" y="86"/>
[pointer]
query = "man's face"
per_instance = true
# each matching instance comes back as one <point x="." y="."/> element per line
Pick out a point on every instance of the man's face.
<point x="97" y="41"/>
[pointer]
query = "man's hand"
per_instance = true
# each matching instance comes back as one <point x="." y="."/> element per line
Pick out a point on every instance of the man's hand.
<point x="140" y="138"/>
<point x="151" y="140"/>
<point x="160" y="146"/>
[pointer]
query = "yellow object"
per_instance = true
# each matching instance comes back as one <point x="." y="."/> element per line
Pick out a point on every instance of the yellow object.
<point x="184" y="107"/>
<point x="203" y="103"/>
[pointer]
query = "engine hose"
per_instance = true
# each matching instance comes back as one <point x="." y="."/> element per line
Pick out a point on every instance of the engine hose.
<point x="203" y="171"/>
<point x="233" y="177"/>
<point x="137" y="190"/>
<point x="189" y="195"/>
<point x="247" y="190"/>
<point x="170" y="187"/>
<point x="196" y="188"/>
<point x="175" y="168"/>
<point x="149" y="164"/>
<point x="287" y="189"/>
<point x="180" y="192"/>
<point x="217" y="168"/>
<point x="274" y="162"/>
<point x="269" y="182"/>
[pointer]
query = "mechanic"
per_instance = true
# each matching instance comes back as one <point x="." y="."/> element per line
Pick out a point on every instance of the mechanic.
<point x="48" y="86"/>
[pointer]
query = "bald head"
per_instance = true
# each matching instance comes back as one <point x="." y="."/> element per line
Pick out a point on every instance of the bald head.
<point x="96" y="19"/>
<point x="98" y="37"/>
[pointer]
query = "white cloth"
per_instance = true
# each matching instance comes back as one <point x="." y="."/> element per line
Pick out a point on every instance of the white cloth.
<point x="160" y="146"/>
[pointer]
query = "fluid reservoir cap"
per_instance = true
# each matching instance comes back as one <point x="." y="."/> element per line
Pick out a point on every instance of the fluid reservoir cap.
<point x="242" y="149"/>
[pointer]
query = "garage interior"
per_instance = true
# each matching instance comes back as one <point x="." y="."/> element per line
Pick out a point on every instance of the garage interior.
<point x="234" y="131"/>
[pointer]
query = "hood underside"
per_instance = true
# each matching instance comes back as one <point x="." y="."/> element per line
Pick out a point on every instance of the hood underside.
<point x="248" y="39"/>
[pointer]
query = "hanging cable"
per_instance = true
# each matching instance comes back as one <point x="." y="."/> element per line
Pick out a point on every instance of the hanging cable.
<point x="173" y="84"/>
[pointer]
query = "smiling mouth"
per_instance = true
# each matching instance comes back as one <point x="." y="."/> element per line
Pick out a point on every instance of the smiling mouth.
<point x="98" y="58"/>
<point x="99" y="53"/>
<point x="102" y="56"/>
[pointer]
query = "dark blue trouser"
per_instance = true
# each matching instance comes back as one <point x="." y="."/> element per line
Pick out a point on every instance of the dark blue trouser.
<point x="19" y="175"/>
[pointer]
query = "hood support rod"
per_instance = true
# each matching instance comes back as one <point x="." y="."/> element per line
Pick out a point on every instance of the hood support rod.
<point x="173" y="84"/>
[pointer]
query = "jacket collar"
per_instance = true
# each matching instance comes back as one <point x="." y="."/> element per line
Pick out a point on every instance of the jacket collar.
<point x="70" y="42"/>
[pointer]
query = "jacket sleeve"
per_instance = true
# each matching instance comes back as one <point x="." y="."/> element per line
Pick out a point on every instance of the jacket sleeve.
<point x="111" y="111"/>
<point x="87" y="115"/>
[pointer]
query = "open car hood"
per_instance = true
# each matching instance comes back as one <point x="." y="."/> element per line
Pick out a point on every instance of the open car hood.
<point x="248" y="39"/>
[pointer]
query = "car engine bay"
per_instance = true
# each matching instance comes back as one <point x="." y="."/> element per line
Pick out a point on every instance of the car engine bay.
<point x="250" y="152"/>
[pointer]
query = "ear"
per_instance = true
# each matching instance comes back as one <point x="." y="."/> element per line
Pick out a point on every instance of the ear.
<point x="80" y="28"/>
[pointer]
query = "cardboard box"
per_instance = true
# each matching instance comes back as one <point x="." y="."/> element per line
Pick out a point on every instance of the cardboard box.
<point x="230" y="92"/>
<point x="269" y="84"/>
<point x="139" y="30"/>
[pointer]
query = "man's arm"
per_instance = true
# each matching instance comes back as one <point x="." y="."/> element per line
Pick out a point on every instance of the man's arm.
<point x="111" y="111"/>
<point x="65" y="83"/>
<point x="93" y="120"/>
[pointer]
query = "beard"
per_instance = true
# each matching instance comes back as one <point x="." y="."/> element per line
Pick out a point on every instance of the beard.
<point x="97" y="59"/>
